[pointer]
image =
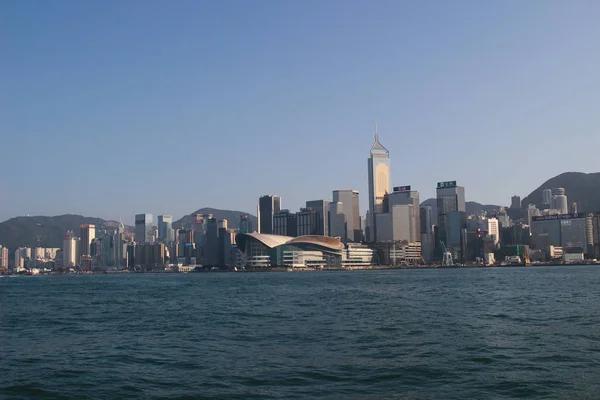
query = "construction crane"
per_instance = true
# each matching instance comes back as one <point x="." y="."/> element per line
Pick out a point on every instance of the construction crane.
<point x="446" y="256"/>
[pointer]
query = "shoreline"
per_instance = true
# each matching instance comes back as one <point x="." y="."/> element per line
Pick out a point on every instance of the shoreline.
<point x="299" y="270"/>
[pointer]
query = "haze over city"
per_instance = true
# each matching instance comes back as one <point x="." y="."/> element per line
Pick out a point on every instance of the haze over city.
<point x="111" y="109"/>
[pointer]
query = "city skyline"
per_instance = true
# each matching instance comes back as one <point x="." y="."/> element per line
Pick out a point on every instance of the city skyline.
<point x="445" y="80"/>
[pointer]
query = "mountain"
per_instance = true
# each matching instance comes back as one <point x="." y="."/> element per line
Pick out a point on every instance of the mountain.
<point x="579" y="187"/>
<point x="471" y="206"/>
<point x="232" y="217"/>
<point x="45" y="231"/>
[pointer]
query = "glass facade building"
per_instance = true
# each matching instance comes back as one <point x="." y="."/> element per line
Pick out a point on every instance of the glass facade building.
<point x="379" y="183"/>
<point x="452" y="217"/>
<point x="143" y="228"/>
<point x="165" y="228"/>
<point x="573" y="234"/>
<point x="268" y="205"/>
<point x="351" y="208"/>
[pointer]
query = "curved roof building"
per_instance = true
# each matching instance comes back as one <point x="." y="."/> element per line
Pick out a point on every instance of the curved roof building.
<point x="265" y="250"/>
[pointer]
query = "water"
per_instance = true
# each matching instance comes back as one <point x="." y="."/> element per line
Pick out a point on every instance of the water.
<point x="410" y="334"/>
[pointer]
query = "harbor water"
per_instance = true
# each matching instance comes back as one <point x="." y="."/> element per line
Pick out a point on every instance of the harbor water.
<point x="494" y="333"/>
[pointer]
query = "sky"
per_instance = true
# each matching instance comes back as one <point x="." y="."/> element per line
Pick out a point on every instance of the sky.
<point x="112" y="108"/>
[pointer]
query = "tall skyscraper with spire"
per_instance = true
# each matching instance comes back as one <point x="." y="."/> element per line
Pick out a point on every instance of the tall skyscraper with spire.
<point x="379" y="182"/>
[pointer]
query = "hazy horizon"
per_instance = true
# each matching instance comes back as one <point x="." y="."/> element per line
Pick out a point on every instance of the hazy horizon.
<point x="113" y="109"/>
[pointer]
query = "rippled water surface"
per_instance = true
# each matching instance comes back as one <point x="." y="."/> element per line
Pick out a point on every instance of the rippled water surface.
<point x="406" y="334"/>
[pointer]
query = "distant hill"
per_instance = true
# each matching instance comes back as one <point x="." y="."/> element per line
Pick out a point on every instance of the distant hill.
<point x="471" y="206"/>
<point x="232" y="217"/>
<point x="45" y="231"/>
<point x="579" y="187"/>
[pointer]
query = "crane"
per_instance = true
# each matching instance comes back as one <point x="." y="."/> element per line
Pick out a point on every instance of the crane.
<point x="446" y="256"/>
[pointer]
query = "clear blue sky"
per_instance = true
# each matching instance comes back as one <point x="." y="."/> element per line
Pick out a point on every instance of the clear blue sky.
<point x="112" y="108"/>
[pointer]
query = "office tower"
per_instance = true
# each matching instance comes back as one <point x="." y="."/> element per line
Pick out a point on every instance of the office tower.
<point x="268" y="205"/>
<point x="87" y="233"/>
<point x="338" y="223"/>
<point x="306" y="221"/>
<point x="3" y="257"/>
<point x="379" y="183"/>
<point x="426" y="220"/>
<point x="222" y="224"/>
<point x="245" y="225"/>
<point x="427" y="237"/>
<point x="351" y="207"/>
<point x="102" y="250"/>
<point x="198" y="234"/>
<point x="452" y="219"/>
<point x="573" y="233"/>
<point x="515" y="202"/>
<point x="547" y="197"/>
<point x="284" y="223"/>
<point x="558" y="192"/>
<point x="70" y="250"/>
<point x="211" y="252"/>
<point x="130" y="255"/>
<point x="403" y="195"/>
<point x="397" y="225"/>
<point x="321" y="207"/>
<point x="143" y="228"/>
<point x="226" y="243"/>
<point x="165" y="228"/>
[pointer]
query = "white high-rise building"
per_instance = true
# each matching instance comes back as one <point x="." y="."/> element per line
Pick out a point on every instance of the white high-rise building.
<point x="70" y="250"/>
<point x="3" y="257"/>
<point x="547" y="196"/>
<point x="560" y="203"/>
<point x="492" y="227"/>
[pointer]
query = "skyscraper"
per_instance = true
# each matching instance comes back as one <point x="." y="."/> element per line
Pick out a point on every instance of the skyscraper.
<point x="268" y="205"/>
<point x="452" y="219"/>
<point x="165" y="228"/>
<point x="245" y="225"/>
<point x="403" y="195"/>
<point x="337" y="221"/>
<point x="70" y="257"/>
<point x="351" y="208"/>
<point x="87" y="233"/>
<point x="119" y="246"/>
<point x="321" y="207"/>
<point x="211" y="253"/>
<point x="427" y="238"/>
<point x="143" y="228"/>
<point x="379" y="182"/>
